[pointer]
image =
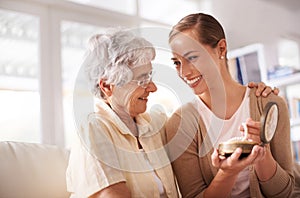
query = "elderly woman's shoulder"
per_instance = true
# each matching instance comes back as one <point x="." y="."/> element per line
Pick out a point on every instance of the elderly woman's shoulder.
<point x="281" y="101"/>
<point x="95" y="120"/>
<point x="296" y="192"/>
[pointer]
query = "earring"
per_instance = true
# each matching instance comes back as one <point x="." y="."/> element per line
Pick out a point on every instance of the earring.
<point x="222" y="57"/>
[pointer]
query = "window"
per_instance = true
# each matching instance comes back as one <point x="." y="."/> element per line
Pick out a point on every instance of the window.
<point x="168" y="11"/>
<point x="74" y="39"/>
<point x="42" y="46"/>
<point x="128" y="6"/>
<point x="19" y="95"/>
<point x="288" y="53"/>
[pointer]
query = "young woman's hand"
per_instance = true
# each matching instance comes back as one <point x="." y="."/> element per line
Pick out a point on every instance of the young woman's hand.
<point x="232" y="165"/>
<point x="253" y="130"/>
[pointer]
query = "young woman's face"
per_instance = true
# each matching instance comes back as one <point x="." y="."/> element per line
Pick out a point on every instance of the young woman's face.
<point x="194" y="62"/>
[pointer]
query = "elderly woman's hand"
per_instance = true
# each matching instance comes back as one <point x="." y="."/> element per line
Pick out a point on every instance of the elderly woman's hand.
<point x="263" y="89"/>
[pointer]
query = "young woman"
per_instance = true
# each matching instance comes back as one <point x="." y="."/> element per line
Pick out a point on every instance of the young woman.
<point x="199" y="51"/>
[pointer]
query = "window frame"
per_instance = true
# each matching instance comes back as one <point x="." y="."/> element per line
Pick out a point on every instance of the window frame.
<point x="51" y="13"/>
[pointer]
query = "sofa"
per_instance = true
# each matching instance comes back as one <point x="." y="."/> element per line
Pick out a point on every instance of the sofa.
<point x="30" y="170"/>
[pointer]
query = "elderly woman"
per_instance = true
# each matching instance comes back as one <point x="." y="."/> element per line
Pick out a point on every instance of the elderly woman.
<point x="120" y="152"/>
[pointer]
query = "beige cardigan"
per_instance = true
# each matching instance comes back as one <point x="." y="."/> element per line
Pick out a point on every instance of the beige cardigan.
<point x="195" y="172"/>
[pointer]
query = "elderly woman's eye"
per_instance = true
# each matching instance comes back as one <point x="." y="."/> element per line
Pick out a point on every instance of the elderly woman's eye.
<point x="177" y="63"/>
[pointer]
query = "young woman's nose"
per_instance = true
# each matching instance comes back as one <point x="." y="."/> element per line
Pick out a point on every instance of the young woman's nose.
<point x="185" y="69"/>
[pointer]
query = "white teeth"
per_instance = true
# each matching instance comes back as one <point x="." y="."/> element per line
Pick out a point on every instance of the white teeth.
<point x="193" y="80"/>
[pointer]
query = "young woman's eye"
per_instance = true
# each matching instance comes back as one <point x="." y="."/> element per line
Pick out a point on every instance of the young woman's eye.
<point x="191" y="58"/>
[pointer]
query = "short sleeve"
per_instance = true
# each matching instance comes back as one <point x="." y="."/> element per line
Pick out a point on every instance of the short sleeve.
<point x="92" y="167"/>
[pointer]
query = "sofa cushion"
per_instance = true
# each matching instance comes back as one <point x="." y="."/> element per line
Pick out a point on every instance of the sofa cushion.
<point x="32" y="170"/>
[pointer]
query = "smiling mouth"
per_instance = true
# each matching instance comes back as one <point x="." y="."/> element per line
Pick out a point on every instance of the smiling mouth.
<point x="194" y="80"/>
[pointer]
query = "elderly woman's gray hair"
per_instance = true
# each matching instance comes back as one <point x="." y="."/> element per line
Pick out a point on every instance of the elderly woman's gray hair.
<point x="111" y="57"/>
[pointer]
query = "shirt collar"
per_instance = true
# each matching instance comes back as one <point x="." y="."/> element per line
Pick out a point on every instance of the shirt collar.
<point x="147" y="123"/>
<point x="151" y="122"/>
<point x="104" y="109"/>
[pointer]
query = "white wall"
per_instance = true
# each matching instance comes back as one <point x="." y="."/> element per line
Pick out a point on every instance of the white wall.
<point x="247" y="22"/>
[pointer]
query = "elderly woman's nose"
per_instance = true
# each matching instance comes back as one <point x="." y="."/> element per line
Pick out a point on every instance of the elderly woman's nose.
<point x="151" y="87"/>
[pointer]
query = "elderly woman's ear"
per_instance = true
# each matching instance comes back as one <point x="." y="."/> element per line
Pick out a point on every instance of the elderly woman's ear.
<point x="107" y="89"/>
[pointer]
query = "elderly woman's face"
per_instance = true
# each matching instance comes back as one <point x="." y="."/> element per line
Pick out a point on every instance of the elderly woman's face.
<point x="142" y="77"/>
<point x="134" y="95"/>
